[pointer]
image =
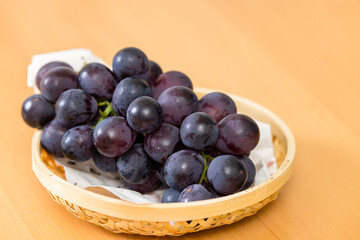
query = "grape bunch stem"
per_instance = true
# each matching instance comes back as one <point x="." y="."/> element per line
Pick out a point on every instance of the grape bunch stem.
<point x="108" y="110"/>
<point x="205" y="158"/>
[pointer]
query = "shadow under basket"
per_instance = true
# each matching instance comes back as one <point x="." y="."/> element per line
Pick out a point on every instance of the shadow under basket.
<point x="159" y="219"/>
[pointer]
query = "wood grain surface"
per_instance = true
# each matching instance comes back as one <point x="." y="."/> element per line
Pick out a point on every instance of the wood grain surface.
<point x="299" y="59"/>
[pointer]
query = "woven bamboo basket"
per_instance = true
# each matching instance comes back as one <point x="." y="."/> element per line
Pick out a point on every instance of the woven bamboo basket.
<point x="174" y="219"/>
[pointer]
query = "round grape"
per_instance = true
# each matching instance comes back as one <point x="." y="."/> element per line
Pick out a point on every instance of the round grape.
<point x="183" y="168"/>
<point x="106" y="164"/>
<point x="218" y="105"/>
<point x="161" y="143"/>
<point x="238" y="134"/>
<point x="130" y="62"/>
<point x="155" y="71"/>
<point x="134" y="166"/>
<point x="199" y="131"/>
<point x="57" y="81"/>
<point x="127" y="91"/>
<point x="44" y="69"/>
<point x="170" y="196"/>
<point x="37" y="111"/>
<point x="226" y="174"/>
<point x="51" y="137"/>
<point x="75" y="107"/>
<point x="97" y="80"/>
<point x="195" y="192"/>
<point x="77" y="144"/>
<point x="177" y="103"/>
<point x="168" y="80"/>
<point x="144" y="115"/>
<point x="113" y="136"/>
<point x="251" y="171"/>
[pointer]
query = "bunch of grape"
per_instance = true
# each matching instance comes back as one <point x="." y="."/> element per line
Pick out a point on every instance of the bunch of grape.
<point x="147" y="126"/>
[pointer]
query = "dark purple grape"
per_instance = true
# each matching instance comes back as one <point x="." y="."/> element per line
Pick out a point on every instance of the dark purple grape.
<point x="226" y="174"/>
<point x="44" y="69"/>
<point x="77" y="143"/>
<point x="97" y="80"/>
<point x="113" y="136"/>
<point x="134" y="166"/>
<point x="51" y="137"/>
<point x="75" y="107"/>
<point x="170" y="196"/>
<point x="130" y="62"/>
<point x="57" y="81"/>
<point x="199" y="131"/>
<point x="127" y="91"/>
<point x="161" y="143"/>
<point x="144" y="115"/>
<point x="106" y="164"/>
<point x="37" y="111"/>
<point x="183" y="168"/>
<point x="195" y="192"/>
<point x="168" y="80"/>
<point x="238" y="134"/>
<point x="155" y="71"/>
<point x="218" y="105"/>
<point x="251" y="172"/>
<point x="177" y="103"/>
<point x="148" y="186"/>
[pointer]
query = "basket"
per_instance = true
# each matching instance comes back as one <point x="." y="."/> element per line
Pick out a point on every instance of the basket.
<point x="174" y="219"/>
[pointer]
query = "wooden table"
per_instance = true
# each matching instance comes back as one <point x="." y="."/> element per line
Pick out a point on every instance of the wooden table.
<point x="301" y="60"/>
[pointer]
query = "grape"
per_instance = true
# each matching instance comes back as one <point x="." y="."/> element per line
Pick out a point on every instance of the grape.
<point x="51" y="137"/>
<point x="134" y="166"/>
<point x="218" y="105"/>
<point x="161" y="143"/>
<point x="226" y="174"/>
<point x="57" y="81"/>
<point x="148" y="186"/>
<point x="195" y="192"/>
<point x="155" y="71"/>
<point x="127" y="91"/>
<point x="171" y="195"/>
<point x="106" y="164"/>
<point x="77" y="143"/>
<point x="75" y="107"/>
<point x="36" y="111"/>
<point x="44" y="69"/>
<point x="199" y="131"/>
<point x="251" y="172"/>
<point x="238" y="134"/>
<point x="130" y="62"/>
<point x="168" y="80"/>
<point x="144" y="115"/>
<point x="183" y="168"/>
<point x="97" y="80"/>
<point x="177" y="103"/>
<point x="113" y="136"/>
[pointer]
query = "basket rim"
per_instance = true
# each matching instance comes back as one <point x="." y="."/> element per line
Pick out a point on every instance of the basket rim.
<point x="170" y="211"/>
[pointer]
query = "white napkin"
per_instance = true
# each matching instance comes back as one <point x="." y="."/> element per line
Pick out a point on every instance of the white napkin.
<point x="82" y="174"/>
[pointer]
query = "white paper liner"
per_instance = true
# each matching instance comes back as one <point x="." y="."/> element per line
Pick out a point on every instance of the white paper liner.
<point x="107" y="184"/>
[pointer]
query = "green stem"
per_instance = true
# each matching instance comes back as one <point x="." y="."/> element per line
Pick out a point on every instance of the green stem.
<point x="108" y="110"/>
<point x="203" y="175"/>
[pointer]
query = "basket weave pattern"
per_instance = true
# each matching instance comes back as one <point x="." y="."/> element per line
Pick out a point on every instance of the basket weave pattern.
<point x="178" y="228"/>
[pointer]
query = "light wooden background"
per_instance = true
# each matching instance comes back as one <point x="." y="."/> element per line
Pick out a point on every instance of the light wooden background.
<point x="301" y="59"/>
